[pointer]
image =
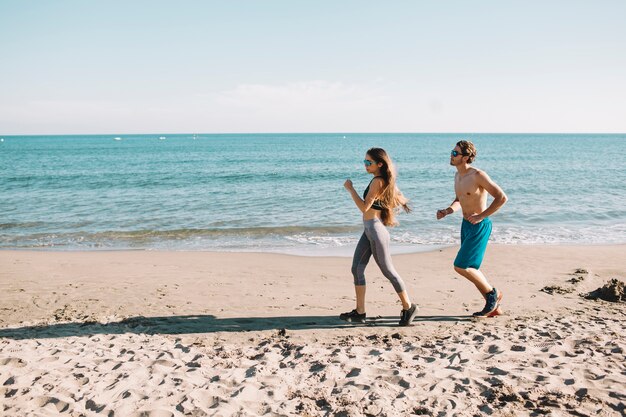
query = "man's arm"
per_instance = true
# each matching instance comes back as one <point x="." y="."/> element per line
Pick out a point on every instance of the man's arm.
<point x="454" y="206"/>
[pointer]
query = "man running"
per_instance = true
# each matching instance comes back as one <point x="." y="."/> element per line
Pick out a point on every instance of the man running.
<point x="471" y="186"/>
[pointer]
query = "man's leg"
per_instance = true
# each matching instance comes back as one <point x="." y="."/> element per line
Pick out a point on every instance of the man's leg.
<point x="474" y="240"/>
<point x="476" y="277"/>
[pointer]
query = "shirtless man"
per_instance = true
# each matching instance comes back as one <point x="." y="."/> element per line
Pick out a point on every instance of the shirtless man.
<point x="471" y="186"/>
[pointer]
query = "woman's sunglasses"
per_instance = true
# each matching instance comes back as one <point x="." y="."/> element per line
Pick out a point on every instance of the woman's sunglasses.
<point x="368" y="162"/>
<point x="456" y="153"/>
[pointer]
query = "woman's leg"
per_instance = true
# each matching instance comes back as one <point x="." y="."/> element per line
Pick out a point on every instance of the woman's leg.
<point x="379" y="242"/>
<point x="361" y="257"/>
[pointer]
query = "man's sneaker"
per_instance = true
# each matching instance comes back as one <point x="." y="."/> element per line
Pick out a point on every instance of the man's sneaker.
<point x="407" y="316"/>
<point x="353" y="317"/>
<point x="497" y="312"/>
<point x="492" y="301"/>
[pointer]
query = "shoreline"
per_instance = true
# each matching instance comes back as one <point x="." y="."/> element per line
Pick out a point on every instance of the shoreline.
<point x="347" y="251"/>
<point x="344" y="251"/>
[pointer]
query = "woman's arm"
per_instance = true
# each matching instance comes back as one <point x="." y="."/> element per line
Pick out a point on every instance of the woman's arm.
<point x="364" y="205"/>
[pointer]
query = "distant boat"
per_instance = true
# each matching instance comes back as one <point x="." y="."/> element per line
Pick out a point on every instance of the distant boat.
<point x="117" y="138"/>
<point x="344" y="137"/>
<point x="161" y="137"/>
<point x="195" y="137"/>
<point x="1" y="139"/>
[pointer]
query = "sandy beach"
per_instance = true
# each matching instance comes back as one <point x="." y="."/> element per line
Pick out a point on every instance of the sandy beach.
<point x="148" y="333"/>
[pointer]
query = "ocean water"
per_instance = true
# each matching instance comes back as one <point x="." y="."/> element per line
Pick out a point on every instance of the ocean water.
<point x="284" y="192"/>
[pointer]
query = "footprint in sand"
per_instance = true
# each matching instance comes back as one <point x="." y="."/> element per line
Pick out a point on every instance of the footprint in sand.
<point x="109" y="365"/>
<point x="159" y="356"/>
<point x="317" y="367"/>
<point x="43" y="303"/>
<point x="494" y="349"/>
<point x="8" y="392"/>
<point x="354" y="372"/>
<point x="153" y="413"/>
<point x="125" y="394"/>
<point x="185" y="349"/>
<point x="93" y="406"/>
<point x="61" y="406"/>
<point x="497" y="371"/>
<point x="81" y="379"/>
<point x="164" y="362"/>
<point x="494" y="382"/>
<point x="398" y="380"/>
<point x="13" y="362"/>
<point x="161" y="292"/>
<point x="544" y="346"/>
<point x="15" y="349"/>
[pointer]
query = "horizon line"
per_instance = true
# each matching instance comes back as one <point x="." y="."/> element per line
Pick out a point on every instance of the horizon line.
<point x="309" y="133"/>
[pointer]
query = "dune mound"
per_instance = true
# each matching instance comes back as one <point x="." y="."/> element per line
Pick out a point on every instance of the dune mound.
<point x="612" y="291"/>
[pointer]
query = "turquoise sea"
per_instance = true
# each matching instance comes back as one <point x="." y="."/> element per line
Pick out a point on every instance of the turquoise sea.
<point x="284" y="192"/>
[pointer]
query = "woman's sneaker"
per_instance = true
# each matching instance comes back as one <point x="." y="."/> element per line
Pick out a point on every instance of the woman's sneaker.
<point x="492" y="302"/>
<point x="353" y="317"/>
<point x="407" y="316"/>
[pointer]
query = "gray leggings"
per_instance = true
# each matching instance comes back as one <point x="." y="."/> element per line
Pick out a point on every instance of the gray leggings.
<point x="375" y="241"/>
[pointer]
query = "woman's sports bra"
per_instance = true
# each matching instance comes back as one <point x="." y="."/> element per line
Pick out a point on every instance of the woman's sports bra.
<point x="377" y="205"/>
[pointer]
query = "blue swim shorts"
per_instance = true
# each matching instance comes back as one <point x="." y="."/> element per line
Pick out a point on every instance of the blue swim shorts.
<point x="474" y="238"/>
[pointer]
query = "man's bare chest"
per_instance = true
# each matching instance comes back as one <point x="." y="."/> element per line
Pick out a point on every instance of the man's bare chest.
<point x="467" y="188"/>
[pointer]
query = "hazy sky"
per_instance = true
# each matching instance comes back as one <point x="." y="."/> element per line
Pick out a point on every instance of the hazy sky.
<point x="312" y="66"/>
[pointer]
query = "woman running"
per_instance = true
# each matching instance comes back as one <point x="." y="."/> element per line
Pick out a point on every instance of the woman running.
<point x="380" y="201"/>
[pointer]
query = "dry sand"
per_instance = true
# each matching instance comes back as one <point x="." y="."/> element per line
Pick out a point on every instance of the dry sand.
<point x="192" y="333"/>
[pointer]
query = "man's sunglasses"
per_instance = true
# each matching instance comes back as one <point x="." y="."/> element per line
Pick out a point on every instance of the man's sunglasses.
<point x="368" y="163"/>
<point x="456" y="153"/>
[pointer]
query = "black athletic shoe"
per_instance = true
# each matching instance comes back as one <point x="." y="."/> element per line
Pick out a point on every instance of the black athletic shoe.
<point x="353" y="317"/>
<point x="492" y="300"/>
<point x="407" y="316"/>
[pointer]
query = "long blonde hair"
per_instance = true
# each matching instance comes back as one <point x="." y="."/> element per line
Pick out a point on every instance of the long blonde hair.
<point x="390" y="198"/>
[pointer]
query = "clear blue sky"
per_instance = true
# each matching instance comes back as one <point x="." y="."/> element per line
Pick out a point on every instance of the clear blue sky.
<point x="312" y="66"/>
